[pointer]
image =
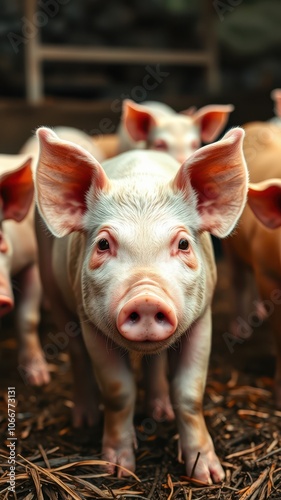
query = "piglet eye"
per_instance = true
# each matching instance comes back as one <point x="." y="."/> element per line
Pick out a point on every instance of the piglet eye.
<point x="183" y="244"/>
<point x="160" y="145"/>
<point x="103" y="244"/>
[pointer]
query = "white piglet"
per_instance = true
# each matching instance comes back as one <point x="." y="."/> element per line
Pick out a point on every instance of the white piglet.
<point x="133" y="261"/>
<point x="18" y="264"/>
<point x="156" y="126"/>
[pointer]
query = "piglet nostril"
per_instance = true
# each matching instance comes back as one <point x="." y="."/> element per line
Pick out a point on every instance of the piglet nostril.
<point x="134" y="317"/>
<point x="160" y="317"/>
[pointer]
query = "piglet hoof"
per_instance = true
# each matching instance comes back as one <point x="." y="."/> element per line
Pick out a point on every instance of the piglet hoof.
<point x="205" y="467"/>
<point x="34" y="368"/>
<point x="160" y="408"/>
<point x="123" y="456"/>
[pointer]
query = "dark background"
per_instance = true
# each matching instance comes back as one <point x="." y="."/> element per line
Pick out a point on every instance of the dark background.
<point x="247" y="35"/>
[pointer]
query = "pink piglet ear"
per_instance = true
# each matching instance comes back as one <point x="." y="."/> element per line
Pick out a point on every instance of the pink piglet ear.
<point x="264" y="198"/>
<point x="64" y="174"/>
<point x="16" y="187"/>
<point x="218" y="175"/>
<point x="137" y="120"/>
<point x="212" y="120"/>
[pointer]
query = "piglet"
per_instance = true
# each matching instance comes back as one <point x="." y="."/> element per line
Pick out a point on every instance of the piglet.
<point x="18" y="263"/>
<point x="133" y="265"/>
<point x="256" y="243"/>
<point x="156" y="126"/>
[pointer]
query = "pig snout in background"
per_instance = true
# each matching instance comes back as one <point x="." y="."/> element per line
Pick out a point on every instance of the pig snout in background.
<point x="133" y="261"/>
<point x="256" y="243"/>
<point x="156" y="126"/>
<point x="18" y="264"/>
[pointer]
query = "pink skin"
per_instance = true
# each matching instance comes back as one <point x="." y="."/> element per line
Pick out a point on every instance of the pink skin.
<point x="146" y="317"/>
<point x="6" y="292"/>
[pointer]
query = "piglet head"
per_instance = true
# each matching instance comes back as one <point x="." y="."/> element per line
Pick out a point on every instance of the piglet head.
<point x="179" y="134"/>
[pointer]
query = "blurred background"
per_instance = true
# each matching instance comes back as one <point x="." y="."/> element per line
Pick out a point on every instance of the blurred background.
<point x="70" y="62"/>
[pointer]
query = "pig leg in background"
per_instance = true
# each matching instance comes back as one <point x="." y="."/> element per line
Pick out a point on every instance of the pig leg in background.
<point x="32" y="363"/>
<point x="243" y="290"/>
<point x="86" y="393"/>
<point x="275" y="325"/>
<point x="188" y="365"/>
<point x="116" y="381"/>
<point x="158" y="403"/>
<point x="268" y="287"/>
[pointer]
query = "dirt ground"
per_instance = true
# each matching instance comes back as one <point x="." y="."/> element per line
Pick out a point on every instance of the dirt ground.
<point x="56" y="462"/>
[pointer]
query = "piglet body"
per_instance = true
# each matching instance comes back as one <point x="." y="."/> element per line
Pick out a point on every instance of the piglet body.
<point x="256" y="244"/>
<point x="18" y="263"/>
<point x="133" y="264"/>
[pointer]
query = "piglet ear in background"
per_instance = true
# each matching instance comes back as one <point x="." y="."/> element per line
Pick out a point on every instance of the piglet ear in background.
<point x="212" y="119"/>
<point x="264" y="198"/>
<point x="16" y="187"/>
<point x="137" y="120"/>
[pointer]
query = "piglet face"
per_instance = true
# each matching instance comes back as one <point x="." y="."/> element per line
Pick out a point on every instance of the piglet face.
<point x="178" y="136"/>
<point x="143" y="276"/>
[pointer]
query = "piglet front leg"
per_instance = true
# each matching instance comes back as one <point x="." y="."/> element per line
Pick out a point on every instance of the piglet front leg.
<point x="189" y="365"/>
<point x="116" y="382"/>
<point x="158" y="403"/>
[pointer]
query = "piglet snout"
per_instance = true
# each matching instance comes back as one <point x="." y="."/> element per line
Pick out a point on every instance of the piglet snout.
<point x="146" y="317"/>
<point x="6" y="304"/>
<point x="6" y="295"/>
